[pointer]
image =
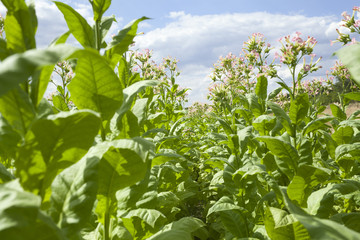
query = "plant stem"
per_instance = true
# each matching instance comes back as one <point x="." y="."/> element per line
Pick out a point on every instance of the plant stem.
<point x="107" y="222"/>
<point x="98" y="35"/>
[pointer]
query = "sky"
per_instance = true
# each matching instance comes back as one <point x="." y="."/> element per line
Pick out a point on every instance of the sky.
<point x="198" y="32"/>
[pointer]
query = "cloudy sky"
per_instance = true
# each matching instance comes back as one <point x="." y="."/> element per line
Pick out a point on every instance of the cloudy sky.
<point x="198" y="32"/>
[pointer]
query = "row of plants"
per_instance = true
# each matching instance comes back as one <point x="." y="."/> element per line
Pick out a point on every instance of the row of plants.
<point x="115" y="154"/>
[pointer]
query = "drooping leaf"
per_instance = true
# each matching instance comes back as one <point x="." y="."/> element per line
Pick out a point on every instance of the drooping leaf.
<point x="95" y="85"/>
<point x="283" y="117"/>
<point x="123" y="164"/>
<point x="303" y="183"/>
<point x="150" y="216"/>
<point x="264" y="124"/>
<point x="17" y="109"/>
<point x="77" y="24"/>
<point x="343" y="135"/>
<point x="53" y="144"/>
<point x="287" y="157"/>
<point x="352" y="149"/>
<point x="281" y="225"/>
<point x="20" y="215"/>
<point x="317" y="124"/>
<point x="19" y="67"/>
<point x="73" y="194"/>
<point x="321" y="229"/>
<point x="9" y="138"/>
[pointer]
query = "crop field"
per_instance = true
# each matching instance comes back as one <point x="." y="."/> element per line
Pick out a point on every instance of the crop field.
<point x="115" y="152"/>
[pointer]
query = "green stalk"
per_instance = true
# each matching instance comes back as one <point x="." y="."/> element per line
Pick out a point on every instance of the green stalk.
<point x="107" y="222"/>
<point x="98" y="34"/>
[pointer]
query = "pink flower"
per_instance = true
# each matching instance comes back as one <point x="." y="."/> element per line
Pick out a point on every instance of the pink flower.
<point x="307" y="68"/>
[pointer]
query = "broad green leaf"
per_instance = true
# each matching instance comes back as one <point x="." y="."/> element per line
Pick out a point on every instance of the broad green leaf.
<point x="4" y="52"/>
<point x="331" y="145"/>
<point x="105" y="25"/>
<point x="99" y="7"/>
<point x="39" y="83"/>
<point x="14" y="38"/>
<point x="321" y="229"/>
<point x="122" y="165"/>
<point x="255" y="107"/>
<point x="337" y="112"/>
<point x="287" y="156"/>
<point x="9" y="138"/>
<point x="274" y="93"/>
<point x="353" y="96"/>
<point x="350" y="220"/>
<point x="283" y="117"/>
<point x="350" y="56"/>
<point x="351" y="149"/>
<point x="299" y="108"/>
<point x="73" y="194"/>
<point x="95" y="85"/>
<point x="17" y="109"/>
<point x="129" y="95"/>
<point x="78" y="25"/>
<point x="303" y="183"/>
<point x="51" y="145"/>
<point x="261" y="87"/>
<point x="320" y="202"/>
<point x="150" y="216"/>
<point x="264" y="124"/>
<point x="128" y="126"/>
<point x="59" y="103"/>
<point x="123" y="39"/>
<point x="317" y="124"/>
<point x="20" y="215"/>
<point x="183" y="229"/>
<point x="223" y="204"/>
<point x="281" y="225"/>
<point x="19" y="67"/>
<point x="343" y="135"/>
<point x="139" y="110"/>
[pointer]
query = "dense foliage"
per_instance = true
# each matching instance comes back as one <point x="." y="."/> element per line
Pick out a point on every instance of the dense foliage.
<point x="114" y="153"/>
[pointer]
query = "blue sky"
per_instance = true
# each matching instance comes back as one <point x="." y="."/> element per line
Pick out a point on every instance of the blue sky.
<point x="198" y="32"/>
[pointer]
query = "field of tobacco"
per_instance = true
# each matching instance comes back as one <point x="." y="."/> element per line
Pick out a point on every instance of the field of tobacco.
<point x="115" y="154"/>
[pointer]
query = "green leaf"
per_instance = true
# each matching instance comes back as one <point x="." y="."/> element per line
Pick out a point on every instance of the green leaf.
<point x="261" y="87"/>
<point x="9" y="138"/>
<point x="5" y="175"/>
<point x="20" y="215"/>
<point x="73" y="194"/>
<point x="281" y="225"/>
<point x="51" y="145"/>
<point x="123" y="39"/>
<point x="99" y="7"/>
<point x="223" y="204"/>
<point x="337" y="112"/>
<point x="351" y="149"/>
<point x="61" y="39"/>
<point x="283" y="117"/>
<point x="299" y="108"/>
<point x="264" y="124"/>
<point x="19" y="67"/>
<point x="150" y="216"/>
<point x="139" y="110"/>
<point x="321" y="229"/>
<point x="105" y="25"/>
<point x="20" y="25"/>
<point x="128" y="126"/>
<point x="183" y="229"/>
<point x="39" y="83"/>
<point x="353" y="96"/>
<point x="255" y="107"/>
<point x="317" y="124"/>
<point x="274" y="93"/>
<point x="287" y="157"/>
<point x="123" y="164"/>
<point x="129" y="95"/>
<point x="350" y="56"/>
<point x="95" y="85"/>
<point x="59" y="103"/>
<point x="78" y="25"/>
<point x="303" y="183"/>
<point x="343" y="135"/>
<point x="17" y="109"/>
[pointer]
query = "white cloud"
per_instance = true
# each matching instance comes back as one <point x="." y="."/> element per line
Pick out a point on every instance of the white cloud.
<point x="198" y="41"/>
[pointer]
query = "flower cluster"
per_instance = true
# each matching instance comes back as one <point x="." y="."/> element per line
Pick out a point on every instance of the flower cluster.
<point x="238" y="74"/>
<point x="351" y="24"/>
<point x="342" y="74"/>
